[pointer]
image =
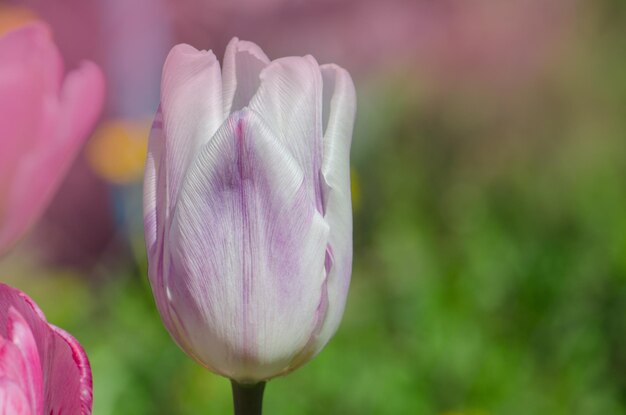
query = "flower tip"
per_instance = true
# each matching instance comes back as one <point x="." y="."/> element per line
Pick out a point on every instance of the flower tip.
<point x="185" y="49"/>
<point x="311" y="59"/>
<point x="91" y="70"/>
<point x="85" y="85"/>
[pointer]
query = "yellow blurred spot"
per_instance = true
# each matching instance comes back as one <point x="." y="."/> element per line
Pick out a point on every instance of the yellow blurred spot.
<point x="14" y="16"/>
<point x="355" y="187"/>
<point x="117" y="151"/>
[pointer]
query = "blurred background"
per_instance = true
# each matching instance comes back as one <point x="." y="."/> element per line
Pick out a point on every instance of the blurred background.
<point x="489" y="189"/>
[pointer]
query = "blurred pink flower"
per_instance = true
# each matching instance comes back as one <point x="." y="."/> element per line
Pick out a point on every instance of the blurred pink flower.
<point x="88" y="219"/>
<point x="44" y="119"/>
<point x="43" y="369"/>
<point x="128" y="39"/>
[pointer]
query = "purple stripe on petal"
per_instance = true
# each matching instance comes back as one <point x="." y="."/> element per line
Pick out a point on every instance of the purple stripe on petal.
<point x="243" y="168"/>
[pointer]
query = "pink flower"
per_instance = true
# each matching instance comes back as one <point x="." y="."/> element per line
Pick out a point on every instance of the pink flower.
<point x="43" y="370"/>
<point x="44" y="119"/>
<point x="248" y="216"/>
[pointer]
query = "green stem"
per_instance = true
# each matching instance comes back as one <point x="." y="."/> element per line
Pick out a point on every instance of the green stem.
<point x="248" y="399"/>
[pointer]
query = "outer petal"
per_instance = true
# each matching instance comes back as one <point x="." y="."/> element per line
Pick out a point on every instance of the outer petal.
<point x="68" y="386"/>
<point x="154" y="186"/>
<point x="243" y="63"/>
<point x="191" y="103"/>
<point x="290" y="101"/>
<point x="247" y="254"/>
<point x="24" y="53"/>
<point x="58" y="119"/>
<point x="155" y="212"/>
<point x="30" y="68"/>
<point x="191" y="111"/>
<point x="340" y="105"/>
<point x="30" y="46"/>
<point x="67" y="383"/>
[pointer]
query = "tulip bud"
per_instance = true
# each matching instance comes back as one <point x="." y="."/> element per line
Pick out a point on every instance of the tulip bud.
<point x="247" y="211"/>
<point x="43" y="370"/>
<point x="44" y="119"/>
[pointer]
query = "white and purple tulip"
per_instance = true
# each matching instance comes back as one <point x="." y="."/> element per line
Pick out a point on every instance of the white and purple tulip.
<point x="248" y="217"/>
<point x="43" y="370"/>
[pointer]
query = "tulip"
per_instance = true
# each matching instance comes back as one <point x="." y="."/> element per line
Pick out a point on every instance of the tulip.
<point x="43" y="121"/>
<point x="247" y="211"/>
<point x="43" y="369"/>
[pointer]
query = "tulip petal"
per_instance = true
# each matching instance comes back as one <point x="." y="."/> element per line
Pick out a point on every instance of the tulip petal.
<point x="44" y="137"/>
<point x="69" y="387"/>
<point x="191" y="103"/>
<point x="154" y="186"/>
<point x="30" y="68"/>
<point x="13" y="400"/>
<point x="20" y="121"/>
<point x="66" y="375"/>
<point x="13" y="367"/>
<point x="340" y="105"/>
<point x="248" y="249"/>
<point x="31" y="47"/>
<point x="154" y="218"/>
<point x="21" y="336"/>
<point x="243" y="63"/>
<point x="191" y="111"/>
<point x="290" y="102"/>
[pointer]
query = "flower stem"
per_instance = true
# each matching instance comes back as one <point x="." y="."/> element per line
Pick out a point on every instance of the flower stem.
<point x="248" y="399"/>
